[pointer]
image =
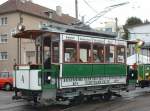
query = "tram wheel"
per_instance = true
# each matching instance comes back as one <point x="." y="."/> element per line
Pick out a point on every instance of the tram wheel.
<point x="77" y="100"/>
<point x="106" y="96"/>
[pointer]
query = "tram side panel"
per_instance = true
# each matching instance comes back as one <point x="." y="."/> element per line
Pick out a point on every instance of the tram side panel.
<point x="82" y="75"/>
<point x="27" y="79"/>
<point x="143" y="75"/>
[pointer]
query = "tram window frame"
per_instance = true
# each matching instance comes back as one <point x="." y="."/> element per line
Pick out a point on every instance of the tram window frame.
<point x="124" y="54"/>
<point x="108" y="55"/>
<point x="101" y="59"/>
<point x="55" y="57"/>
<point x="89" y="53"/>
<point x="72" y="56"/>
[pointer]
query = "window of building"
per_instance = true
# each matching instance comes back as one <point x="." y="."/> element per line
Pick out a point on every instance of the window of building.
<point x="4" y="21"/>
<point x="3" y="38"/>
<point x="85" y="52"/>
<point x="110" y="53"/>
<point x="120" y="54"/>
<point x="55" y="52"/>
<point x="70" y="52"/>
<point x="3" y="55"/>
<point x="108" y="29"/>
<point x="98" y="53"/>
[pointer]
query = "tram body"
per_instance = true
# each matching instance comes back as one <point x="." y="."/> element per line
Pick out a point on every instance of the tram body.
<point x="80" y="65"/>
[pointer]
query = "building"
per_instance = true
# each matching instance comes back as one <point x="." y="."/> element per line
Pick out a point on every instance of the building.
<point x="32" y="16"/>
<point x="110" y="27"/>
<point x="140" y="32"/>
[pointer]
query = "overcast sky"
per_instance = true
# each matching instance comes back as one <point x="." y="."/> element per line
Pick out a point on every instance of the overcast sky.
<point x="138" y="8"/>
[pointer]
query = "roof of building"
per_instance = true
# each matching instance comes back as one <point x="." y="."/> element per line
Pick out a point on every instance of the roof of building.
<point x="138" y="25"/>
<point x="28" y="7"/>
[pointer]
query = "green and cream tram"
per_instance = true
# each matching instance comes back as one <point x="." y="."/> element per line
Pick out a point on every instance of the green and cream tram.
<point x="80" y="64"/>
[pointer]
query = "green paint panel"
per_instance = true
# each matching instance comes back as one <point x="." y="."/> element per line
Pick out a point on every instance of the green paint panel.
<point x="115" y="69"/>
<point x="143" y="69"/>
<point x="54" y="73"/>
<point x="98" y="70"/>
<point x="77" y="70"/>
<point x="86" y="70"/>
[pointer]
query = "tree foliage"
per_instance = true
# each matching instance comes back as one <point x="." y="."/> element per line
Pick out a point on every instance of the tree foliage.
<point x="130" y="22"/>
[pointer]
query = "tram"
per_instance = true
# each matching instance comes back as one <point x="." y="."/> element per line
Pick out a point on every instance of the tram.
<point x="139" y="70"/>
<point x="81" y="64"/>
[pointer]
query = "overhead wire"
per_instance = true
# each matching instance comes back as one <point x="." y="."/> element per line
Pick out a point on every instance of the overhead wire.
<point x="94" y="10"/>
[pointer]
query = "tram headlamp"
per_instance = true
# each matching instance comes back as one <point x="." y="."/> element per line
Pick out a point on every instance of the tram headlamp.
<point x="21" y="27"/>
<point x="147" y="74"/>
<point x="49" y="78"/>
<point x="140" y="42"/>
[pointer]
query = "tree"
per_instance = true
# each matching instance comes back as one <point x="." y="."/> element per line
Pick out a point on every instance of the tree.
<point x="130" y="22"/>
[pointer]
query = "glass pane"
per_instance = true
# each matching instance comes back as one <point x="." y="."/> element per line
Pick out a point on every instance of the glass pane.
<point x="98" y="53"/>
<point x="70" y="52"/>
<point x="55" y="50"/>
<point x="85" y="52"/>
<point x="110" y="52"/>
<point x="121" y="54"/>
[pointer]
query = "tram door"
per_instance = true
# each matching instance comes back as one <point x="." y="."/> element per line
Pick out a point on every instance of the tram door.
<point x="43" y="57"/>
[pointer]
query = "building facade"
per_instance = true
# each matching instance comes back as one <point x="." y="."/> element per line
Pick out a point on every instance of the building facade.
<point x="32" y="16"/>
<point x="140" y="32"/>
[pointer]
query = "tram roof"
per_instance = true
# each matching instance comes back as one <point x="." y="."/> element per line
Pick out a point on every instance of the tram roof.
<point x="32" y="34"/>
<point x="48" y="30"/>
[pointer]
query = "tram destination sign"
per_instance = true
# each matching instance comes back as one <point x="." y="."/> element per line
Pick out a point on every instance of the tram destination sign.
<point x="70" y="37"/>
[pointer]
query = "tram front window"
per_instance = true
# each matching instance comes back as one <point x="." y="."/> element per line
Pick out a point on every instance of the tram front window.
<point x="70" y="52"/>
<point x="55" y="52"/>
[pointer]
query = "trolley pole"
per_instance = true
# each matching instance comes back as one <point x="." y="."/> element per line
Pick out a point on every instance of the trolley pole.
<point x="76" y="8"/>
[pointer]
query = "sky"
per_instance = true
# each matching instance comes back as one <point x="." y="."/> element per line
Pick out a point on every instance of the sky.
<point x="90" y="8"/>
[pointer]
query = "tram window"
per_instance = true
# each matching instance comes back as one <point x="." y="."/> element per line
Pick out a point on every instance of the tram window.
<point x="85" y="52"/>
<point x="120" y="54"/>
<point x="55" y="52"/>
<point x="110" y="53"/>
<point x="98" y="53"/>
<point x="70" y="52"/>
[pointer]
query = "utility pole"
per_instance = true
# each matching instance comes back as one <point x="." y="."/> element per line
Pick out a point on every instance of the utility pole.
<point x="117" y="29"/>
<point x="76" y="8"/>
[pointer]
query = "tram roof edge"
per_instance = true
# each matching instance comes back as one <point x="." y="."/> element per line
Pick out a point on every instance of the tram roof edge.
<point x="77" y="30"/>
<point x="32" y="34"/>
<point x="59" y="28"/>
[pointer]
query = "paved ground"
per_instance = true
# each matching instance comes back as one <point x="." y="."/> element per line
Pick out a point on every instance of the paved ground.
<point x="137" y="100"/>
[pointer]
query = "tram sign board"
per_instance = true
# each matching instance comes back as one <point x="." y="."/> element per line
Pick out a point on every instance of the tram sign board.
<point x="121" y="43"/>
<point x="70" y="37"/>
<point x="85" y="39"/>
<point x="108" y="41"/>
<point x="97" y="40"/>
